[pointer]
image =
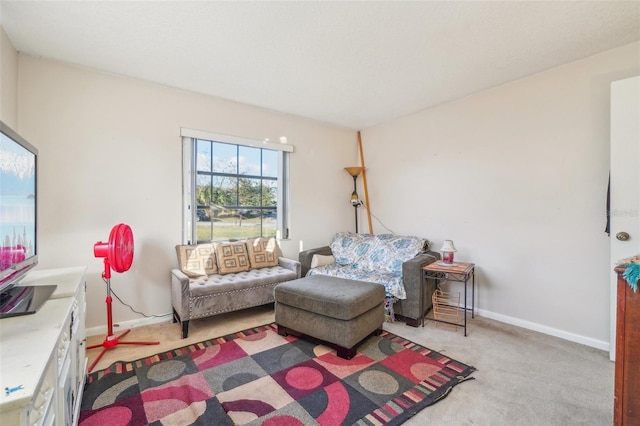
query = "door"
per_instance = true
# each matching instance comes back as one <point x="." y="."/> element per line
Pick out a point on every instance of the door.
<point x="625" y="182"/>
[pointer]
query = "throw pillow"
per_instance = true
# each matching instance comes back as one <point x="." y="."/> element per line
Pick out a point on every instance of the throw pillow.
<point x="263" y="252"/>
<point x="232" y="257"/>
<point x="321" y="260"/>
<point x="197" y="260"/>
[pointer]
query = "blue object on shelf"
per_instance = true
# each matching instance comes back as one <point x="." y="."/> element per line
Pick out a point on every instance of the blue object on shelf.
<point x="632" y="275"/>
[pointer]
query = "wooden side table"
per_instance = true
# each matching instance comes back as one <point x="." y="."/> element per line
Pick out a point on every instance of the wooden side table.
<point x="457" y="272"/>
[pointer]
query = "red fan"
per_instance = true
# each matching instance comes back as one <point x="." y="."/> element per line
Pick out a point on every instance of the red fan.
<point x="118" y="255"/>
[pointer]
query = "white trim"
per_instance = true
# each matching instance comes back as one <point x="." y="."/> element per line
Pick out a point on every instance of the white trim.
<point x="282" y="231"/>
<point x="125" y="325"/>
<point x="237" y="140"/>
<point x="588" y="341"/>
<point x="188" y="182"/>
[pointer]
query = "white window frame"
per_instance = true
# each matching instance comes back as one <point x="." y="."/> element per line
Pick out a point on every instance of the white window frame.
<point x="189" y="137"/>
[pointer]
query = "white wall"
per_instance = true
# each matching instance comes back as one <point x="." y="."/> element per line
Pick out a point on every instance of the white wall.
<point x="517" y="177"/>
<point x="527" y="165"/>
<point x="8" y="81"/>
<point x="110" y="152"/>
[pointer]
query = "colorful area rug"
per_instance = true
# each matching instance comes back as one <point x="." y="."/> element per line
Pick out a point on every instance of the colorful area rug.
<point x="257" y="377"/>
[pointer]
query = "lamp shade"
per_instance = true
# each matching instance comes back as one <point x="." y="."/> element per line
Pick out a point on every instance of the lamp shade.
<point x="448" y="246"/>
<point x="447" y="251"/>
<point x="353" y="171"/>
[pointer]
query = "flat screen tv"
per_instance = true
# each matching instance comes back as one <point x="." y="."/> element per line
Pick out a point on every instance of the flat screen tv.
<point x="18" y="225"/>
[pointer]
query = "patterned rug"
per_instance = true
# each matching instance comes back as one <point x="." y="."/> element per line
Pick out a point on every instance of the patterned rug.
<point x="257" y="377"/>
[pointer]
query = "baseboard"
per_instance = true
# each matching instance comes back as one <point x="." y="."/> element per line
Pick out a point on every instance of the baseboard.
<point x="126" y="325"/>
<point x="572" y="337"/>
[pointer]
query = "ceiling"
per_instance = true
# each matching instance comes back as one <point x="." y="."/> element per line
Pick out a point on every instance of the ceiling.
<point x="350" y="64"/>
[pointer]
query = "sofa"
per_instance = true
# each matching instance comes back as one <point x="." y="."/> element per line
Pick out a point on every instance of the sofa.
<point x="216" y="278"/>
<point x="393" y="261"/>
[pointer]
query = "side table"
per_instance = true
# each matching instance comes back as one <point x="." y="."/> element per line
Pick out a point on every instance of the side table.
<point x="457" y="272"/>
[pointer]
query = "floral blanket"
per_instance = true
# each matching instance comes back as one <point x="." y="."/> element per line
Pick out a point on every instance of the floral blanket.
<point x="372" y="258"/>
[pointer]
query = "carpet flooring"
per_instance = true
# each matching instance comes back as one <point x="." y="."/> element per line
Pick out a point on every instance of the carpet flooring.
<point x="257" y="377"/>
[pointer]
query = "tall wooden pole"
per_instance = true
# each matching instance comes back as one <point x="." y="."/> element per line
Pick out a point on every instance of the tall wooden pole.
<point x="364" y="179"/>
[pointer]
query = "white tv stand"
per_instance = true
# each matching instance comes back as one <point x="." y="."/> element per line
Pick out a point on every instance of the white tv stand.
<point x="42" y="356"/>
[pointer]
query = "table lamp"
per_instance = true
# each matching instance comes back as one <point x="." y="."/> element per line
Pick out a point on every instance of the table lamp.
<point x="447" y="250"/>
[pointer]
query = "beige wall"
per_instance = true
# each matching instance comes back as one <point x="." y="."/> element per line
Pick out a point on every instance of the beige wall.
<point x="526" y="166"/>
<point x="517" y="177"/>
<point x="110" y="152"/>
<point x="8" y="81"/>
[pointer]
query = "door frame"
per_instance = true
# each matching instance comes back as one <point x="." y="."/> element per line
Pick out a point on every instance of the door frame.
<point x="624" y="213"/>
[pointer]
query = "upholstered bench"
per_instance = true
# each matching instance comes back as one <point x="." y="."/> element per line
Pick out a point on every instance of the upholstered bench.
<point x="333" y="310"/>
<point x="225" y="277"/>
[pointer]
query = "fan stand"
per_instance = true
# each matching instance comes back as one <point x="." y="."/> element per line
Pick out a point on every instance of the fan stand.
<point x="111" y="340"/>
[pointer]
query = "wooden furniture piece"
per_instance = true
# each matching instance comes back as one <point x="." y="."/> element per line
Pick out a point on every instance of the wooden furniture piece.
<point x="458" y="272"/>
<point x="42" y="355"/>
<point x="626" y="401"/>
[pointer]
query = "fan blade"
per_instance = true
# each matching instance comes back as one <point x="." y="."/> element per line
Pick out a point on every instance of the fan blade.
<point x="121" y="248"/>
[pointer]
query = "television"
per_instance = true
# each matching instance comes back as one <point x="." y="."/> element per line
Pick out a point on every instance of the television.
<point x="18" y="225"/>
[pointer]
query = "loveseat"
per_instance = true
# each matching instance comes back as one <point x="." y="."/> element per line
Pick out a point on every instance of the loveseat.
<point x="222" y="277"/>
<point x="394" y="261"/>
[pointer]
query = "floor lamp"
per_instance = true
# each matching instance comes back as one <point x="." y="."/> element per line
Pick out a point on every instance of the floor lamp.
<point x="355" y="200"/>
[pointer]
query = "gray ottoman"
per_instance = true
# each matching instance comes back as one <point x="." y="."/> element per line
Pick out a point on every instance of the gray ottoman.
<point x="332" y="310"/>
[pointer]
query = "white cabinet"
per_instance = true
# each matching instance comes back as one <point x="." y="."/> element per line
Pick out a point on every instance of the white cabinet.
<point x="43" y="360"/>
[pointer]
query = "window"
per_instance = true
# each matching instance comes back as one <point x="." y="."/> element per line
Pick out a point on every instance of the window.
<point x="234" y="188"/>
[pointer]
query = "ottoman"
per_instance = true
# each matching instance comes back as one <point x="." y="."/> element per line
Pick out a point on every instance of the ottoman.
<point x="335" y="311"/>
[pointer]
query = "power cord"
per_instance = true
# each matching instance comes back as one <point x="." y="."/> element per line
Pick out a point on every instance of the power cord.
<point x="427" y="243"/>
<point x="131" y="308"/>
<point x="376" y="218"/>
